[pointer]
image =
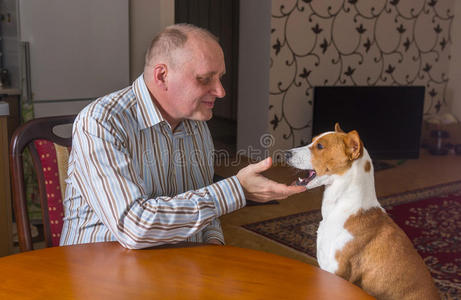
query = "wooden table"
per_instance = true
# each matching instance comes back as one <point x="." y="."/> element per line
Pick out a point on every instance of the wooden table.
<point x="109" y="271"/>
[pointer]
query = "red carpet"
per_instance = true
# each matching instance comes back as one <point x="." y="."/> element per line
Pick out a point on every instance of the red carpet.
<point x="431" y="217"/>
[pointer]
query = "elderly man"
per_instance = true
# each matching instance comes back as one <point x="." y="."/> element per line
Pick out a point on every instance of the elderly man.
<point x="141" y="167"/>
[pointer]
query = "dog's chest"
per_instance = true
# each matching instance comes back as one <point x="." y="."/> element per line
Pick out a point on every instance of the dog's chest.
<point x="331" y="237"/>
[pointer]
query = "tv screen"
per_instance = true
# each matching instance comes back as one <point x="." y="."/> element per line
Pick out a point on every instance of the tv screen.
<point x="387" y="118"/>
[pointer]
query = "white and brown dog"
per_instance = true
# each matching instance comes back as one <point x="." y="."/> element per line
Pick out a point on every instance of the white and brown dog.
<point x="356" y="239"/>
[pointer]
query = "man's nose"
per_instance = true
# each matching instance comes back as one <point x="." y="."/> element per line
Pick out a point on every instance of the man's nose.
<point x="219" y="90"/>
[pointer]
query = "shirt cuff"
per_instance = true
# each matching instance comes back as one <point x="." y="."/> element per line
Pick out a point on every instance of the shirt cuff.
<point x="213" y="231"/>
<point x="227" y="195"/>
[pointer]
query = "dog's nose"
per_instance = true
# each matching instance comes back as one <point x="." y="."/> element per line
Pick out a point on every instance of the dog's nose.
<point x="288" y="155"/>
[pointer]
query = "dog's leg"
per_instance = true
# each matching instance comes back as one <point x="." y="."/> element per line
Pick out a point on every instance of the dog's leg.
<point x="344" y="270"/>
<point x="349" y="264"/>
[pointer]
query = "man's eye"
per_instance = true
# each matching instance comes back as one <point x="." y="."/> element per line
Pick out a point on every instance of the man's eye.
<point x="319" y="146"/>
<point x="205" y="80"/>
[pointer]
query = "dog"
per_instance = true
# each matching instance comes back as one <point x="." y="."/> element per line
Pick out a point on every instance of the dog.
<point x="356" y="239"/>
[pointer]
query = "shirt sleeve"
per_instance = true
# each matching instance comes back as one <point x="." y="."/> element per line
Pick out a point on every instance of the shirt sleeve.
<point x="213" y="231"/>
<point x="109" y="181"/>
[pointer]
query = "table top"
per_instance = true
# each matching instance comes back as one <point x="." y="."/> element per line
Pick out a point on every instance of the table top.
<point x="109" y="271"/>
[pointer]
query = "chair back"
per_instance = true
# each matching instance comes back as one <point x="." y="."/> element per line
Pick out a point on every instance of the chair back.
<point x="49" y="154"/>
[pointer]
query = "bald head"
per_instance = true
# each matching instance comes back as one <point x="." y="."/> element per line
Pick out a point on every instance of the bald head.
<point x="167" y="46"/>
<point x="183" y="72"/>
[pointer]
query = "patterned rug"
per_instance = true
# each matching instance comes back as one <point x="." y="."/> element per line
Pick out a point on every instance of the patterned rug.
<point x="431" y="217"/>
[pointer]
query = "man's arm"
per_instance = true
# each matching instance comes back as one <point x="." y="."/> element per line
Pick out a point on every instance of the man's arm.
<point x="108" y="180"/>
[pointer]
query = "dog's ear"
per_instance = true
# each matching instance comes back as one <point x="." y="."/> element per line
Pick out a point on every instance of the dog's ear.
<point x="337" y="128"/>
<point x="354" y="146"/>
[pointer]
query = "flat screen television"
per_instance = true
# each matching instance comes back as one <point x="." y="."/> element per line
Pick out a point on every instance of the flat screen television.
<point x="387" y="118"/>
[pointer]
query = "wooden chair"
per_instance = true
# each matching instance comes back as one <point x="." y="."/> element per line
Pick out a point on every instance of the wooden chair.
<point x="49" y="157"/>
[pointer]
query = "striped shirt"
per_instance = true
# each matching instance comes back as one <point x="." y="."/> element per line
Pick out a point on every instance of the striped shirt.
<point x="132" y="180"/>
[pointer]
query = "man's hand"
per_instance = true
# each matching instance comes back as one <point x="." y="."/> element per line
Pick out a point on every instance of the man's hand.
<point x="260" y="189"/>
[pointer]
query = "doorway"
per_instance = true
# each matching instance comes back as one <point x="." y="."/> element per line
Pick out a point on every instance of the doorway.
<point x="220" y="17"/>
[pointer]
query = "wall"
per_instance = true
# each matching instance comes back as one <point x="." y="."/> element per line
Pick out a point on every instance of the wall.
<point x="73" y="45"/>
<point x="454" y="85"/>
<point x="253" y="82"/>
<point x="147" y="18"/>
<point x="337" y="42"/>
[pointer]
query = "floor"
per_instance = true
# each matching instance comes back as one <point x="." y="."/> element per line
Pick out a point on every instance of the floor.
<point x="426" y="171"/>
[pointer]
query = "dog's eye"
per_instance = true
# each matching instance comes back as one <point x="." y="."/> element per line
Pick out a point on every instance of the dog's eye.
<point x="319" y="146"/>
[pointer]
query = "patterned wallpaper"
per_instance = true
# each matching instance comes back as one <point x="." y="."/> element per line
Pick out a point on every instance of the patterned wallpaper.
<point x="353" y="42"/>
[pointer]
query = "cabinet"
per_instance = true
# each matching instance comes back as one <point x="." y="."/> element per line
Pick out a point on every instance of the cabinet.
<point x="5" y="190"/>
<point x="11" y="96"/>
<point x="9" y="121"/>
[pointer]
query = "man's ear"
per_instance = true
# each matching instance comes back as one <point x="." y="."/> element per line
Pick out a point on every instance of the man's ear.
<point x="160" y="76"/>
<point x="354" y="146"/>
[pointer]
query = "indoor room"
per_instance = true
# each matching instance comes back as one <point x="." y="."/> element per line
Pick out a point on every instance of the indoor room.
<point x="289" y="149"/>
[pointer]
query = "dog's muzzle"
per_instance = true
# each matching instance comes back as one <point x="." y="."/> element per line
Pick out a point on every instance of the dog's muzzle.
<point x="308" y="176"/>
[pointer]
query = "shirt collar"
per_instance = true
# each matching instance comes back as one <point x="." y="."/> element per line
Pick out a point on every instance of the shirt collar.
<point x="148" y="113"/>
<point x="189" y="127"/>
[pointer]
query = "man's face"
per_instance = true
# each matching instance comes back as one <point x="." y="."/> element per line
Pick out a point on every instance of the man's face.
<point x="194" y="82"/>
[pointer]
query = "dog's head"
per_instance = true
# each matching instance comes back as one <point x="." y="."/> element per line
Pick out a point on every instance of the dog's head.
<point x="330" y="153"/>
